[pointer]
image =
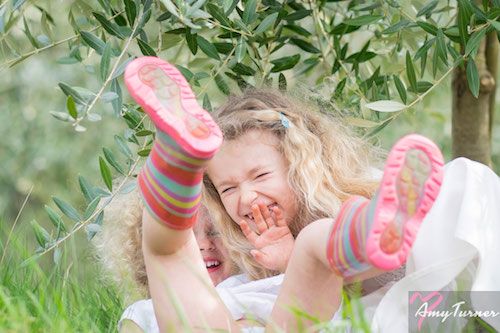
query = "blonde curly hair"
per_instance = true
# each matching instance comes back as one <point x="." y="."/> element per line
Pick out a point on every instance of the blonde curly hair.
<point x="119" y="243"/>
<point x="327" y="163"/>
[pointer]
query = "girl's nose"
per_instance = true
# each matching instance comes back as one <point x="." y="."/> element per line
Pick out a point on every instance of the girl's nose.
<point x="205" y="243"/>
<point x="247" y="198"/>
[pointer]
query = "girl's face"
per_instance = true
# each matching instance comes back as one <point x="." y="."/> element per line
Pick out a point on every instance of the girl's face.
<point x="250" y="170"/>
<point x="214" y="254"/>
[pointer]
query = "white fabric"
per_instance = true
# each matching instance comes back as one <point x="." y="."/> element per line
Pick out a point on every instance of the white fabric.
<point x="460" y="233"/>
<point x="244" y="299"/>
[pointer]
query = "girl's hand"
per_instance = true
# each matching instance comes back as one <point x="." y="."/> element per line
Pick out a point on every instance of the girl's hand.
<point x="273" y="240"/>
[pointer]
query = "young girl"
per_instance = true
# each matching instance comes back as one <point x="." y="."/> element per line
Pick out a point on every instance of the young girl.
<point x="277" y="157"/>
<point x="120" y="252"/>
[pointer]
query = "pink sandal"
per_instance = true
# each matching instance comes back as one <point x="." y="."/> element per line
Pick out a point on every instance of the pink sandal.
<point x="154" y="84"/>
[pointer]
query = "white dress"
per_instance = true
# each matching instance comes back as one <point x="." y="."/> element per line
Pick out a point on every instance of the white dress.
<point x="244" y="299"/>
<point x="459" y="238"/>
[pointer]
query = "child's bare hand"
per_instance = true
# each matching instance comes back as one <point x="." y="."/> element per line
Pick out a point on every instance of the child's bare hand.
<point x="273" y="240"/>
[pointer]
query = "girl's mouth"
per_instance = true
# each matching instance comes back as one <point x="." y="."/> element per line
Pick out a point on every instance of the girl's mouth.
<point x="212" y="265"/>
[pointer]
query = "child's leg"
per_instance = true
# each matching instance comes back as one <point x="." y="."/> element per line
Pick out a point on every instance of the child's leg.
<point x="309" y="285"/>
<point x="365" y="237"/>
<point x="380" y="232"/>
<point x="170" y="183"/>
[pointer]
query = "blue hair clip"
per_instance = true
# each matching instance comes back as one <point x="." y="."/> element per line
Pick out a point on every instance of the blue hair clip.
<point x="284" y="120"/>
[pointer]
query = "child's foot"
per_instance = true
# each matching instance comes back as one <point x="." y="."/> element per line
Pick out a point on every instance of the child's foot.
<point x="187" y="137"/>
<point x="381" y="232"/>
<point x="166" y="97"/>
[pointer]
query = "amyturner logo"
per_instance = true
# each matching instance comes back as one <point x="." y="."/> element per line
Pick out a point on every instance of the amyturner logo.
<point x="447" y="310"/>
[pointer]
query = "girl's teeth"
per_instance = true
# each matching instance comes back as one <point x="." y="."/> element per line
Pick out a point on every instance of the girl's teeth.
<point x="212" y="263"/>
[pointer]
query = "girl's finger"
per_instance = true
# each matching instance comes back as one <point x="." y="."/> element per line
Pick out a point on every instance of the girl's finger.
<point x="249" y="233"/>
<point x="260" y="257"/>
<point x="280" y="219"/>
<point x="259" y="220"/>
<point x="267" y="215"/>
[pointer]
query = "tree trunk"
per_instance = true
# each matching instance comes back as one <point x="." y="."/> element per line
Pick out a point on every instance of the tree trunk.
<point x="471" y="117"/>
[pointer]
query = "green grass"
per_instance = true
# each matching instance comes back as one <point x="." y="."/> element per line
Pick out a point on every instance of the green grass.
<point x="44" y="297"/>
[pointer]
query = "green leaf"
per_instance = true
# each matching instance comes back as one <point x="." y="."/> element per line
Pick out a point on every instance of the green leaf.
<point x="63" y="116"/>
<point x="463" y="20"/>
<point x="422" y="86"/>
<point x="93" y="41"/>
<point x="207" y="48"/>
<point x="28" y="34"/>
<point x="472" y="77"/>
<point x="108" y="154"/>
<point x="45" y="26"/>
<point x="495" y="25"/>
<point x="123" y="147"/>
<point x="86" y="188"/>
<point x="299" y="30"/>
<point x="396" y="27"/>
<point x="432" y="29"/>
<point x="241" y="49"/>
<point x="206" y="103"/>
<point x="222" y="85"/>
<point x="386" y="106"/>
<point x="71" y="107"/>
<point x="428" y="8"/>
<point x="298" y="15"/>
<point x="67" y="209"/>
<point x="243" y="69"/>
<point x="400" y="88"/>
<point x="144" y="152"/>
<point x="267" y="22"/>
<point x="131" y="11"/>
<point x="68" y="91"/>
<point x="218" y="14"/>
<point x="105" y="62"/>
<point x="145" y="48"/>
<point x="105" y="173"/>
<point x="121" y="68"/>
<point x="306" y="46"/>
<point x="191" y="41"/>
<point x="91" y="208"/>
<point x="474" y="41"/>
<point x="410" y="71"/>
<point x="422" y="51"/>
<point x="441" y="47"/>
<point x="249" y="14"/>
<point x="115" y="102"/>
<point x="185" y="72"/>
<point x="340" y="88"/>
<point x="109" y="96"/>
<point x="285" y="63"/>
<point x="111" y="27"/>
<point x="55" y="219"/>
<point x="41" y="235"/>
<point x="282" y="82"/>
<point x="92" y="229"/>
<point x="363" y="20"/>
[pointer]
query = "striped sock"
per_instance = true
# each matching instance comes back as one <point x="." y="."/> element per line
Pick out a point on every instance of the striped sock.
<point x="346" y="244"/>
<point x="170" y="183"/>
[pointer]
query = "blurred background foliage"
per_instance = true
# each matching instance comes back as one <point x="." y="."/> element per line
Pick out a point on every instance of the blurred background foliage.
<point x="62" y="99"/>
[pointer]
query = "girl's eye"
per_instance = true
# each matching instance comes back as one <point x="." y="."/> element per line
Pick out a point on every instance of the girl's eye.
<point x="226" y="190"/>
<point x="262" y="174"/>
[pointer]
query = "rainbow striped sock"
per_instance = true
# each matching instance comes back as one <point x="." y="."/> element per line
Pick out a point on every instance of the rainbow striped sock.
<point x="170" y="183"/>
<point x="347" y="241"/>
